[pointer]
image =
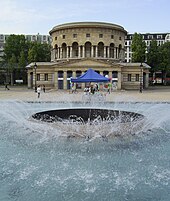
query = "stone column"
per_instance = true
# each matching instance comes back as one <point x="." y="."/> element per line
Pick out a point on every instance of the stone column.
<point x="52" y="54"/>
<point x="104" y="51"/>
<point x="65" y="80"/>
<point x="56" y="79"/>
<point x="108" y="52"/>
<point x="119" y="83"/>
<point x="115" y="51"/>
<point x="67" y="51"/>
<point x="83" y="51"/>
<point x="79" y="54"/>
<point x="96" y="51"/>
<point x="61" y="53"/>
<point x="74" y="74"/>
<point x="92" y="51"/>
<point x="71" y="52"/>
<point x="58" y="53"/>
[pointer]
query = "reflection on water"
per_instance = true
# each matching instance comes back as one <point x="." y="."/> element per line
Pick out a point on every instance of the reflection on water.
<point x="37" y="164"/>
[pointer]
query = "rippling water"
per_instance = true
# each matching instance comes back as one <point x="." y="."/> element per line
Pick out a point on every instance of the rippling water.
<point x="36" y="164"/>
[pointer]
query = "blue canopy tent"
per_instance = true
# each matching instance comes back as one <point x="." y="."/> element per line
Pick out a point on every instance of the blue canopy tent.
<point x="90" y="76"/>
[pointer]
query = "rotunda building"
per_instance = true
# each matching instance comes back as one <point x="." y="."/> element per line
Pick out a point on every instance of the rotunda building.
<point x="88" y="40"/>
<point x="78" y="46"/>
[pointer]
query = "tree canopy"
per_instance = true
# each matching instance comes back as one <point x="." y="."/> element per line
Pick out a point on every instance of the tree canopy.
<point x="138" y="48"/>
<point x="153" y="58"/>
<point x="18" y="52"/>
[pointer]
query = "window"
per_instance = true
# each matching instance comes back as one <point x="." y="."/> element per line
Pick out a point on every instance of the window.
<point x="56" y="38"/>
<point x="112" y="36"/>
<point x="159" y="36"/>
<point x="87" y="35"/>
<point x="100" y="35"/>
<point x="74" y="35"/>
<point x="120" y="38"/>
<point x="64" y="36"/>
<point x="1" y="37"/>
<point x="38" y="77"/>
<point x="137" y="77"/>
<point x="46" y="77"/>
<point x="44" y="38"/>
<point x="34" y="38"/>
<point x="150" y="36"/>
<point x="129" y="77"/>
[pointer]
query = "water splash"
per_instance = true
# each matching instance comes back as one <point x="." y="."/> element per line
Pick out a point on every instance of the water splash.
<point x="36" y="164"/>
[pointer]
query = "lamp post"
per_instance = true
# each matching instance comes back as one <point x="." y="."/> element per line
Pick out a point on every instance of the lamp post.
<point x="141" y="78"/>
<point x="35" y="67"/>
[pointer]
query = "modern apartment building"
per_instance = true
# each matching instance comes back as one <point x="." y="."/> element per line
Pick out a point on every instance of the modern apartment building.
<point x="33" y="38"/>
<point x="161" y="38"/>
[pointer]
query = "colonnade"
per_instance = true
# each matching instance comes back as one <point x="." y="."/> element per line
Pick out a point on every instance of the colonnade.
<point x="106" y="52"/>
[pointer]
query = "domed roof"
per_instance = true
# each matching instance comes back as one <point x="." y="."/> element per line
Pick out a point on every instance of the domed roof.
<point x="87" y="25"/>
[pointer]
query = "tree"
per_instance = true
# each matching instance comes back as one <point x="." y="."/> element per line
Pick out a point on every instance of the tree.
<point x="39" y="52"/>
<point x="23" y="51"/>
<point x="164" y="54"/>
<point x="14" y="45"/>
<point x="153" y="57"/>
<point x="21" y="71"/>
<point x="12" y="64"/>
<point x="138" y="48"/>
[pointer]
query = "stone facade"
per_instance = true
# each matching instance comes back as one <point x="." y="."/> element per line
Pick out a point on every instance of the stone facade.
<point x="88" y="39"/>
<point x="76" y="47"/>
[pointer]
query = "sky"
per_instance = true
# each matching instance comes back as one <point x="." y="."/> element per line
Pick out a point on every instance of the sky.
<point x="40" y="16"/>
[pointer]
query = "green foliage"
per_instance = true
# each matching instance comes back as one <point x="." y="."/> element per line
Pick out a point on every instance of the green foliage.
<point x="138" y="48"/>
<point x="164" y="54"/>
<point x="39" y="52"/>
<point x="13" y="46"/>
<point x="153" y="58"/>
<point x="18" y="52"/>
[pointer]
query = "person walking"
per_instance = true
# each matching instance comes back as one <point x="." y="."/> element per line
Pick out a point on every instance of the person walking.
<point x="38" y="91"/>
<point x="6" y="87"/>
<point x="44" y="88"/>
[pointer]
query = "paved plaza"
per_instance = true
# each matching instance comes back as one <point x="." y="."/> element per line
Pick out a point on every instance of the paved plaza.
<point x="153" y="94"/>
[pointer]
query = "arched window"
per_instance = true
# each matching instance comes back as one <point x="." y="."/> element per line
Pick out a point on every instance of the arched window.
<point x="75" y="49"/>
<point x="100" y="49"/>
<point x="120" y="51"/>
<point x="112" y="50"/>
<point x="87" y="49"/>
<point x="56" y="51"/>
<point x="64" y="50"/>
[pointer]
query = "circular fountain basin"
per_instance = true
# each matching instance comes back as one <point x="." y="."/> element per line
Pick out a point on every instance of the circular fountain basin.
<point x="87" y="115"/>
<point x="91" y="122"/>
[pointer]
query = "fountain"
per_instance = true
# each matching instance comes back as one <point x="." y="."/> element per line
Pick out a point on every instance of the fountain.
<point x="40" y="161"/>
<point x="111" y="122"/>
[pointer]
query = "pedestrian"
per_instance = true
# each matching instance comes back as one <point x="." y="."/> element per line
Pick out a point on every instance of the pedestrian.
<point x="44" y="88"/>
<point x="38" y="91"/>
<point x="109" y="87"/>
<point x="6" y="87"/>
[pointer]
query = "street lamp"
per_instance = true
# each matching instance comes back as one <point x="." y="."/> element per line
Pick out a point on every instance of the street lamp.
<point x="35" y="67"/>
<point x="141" y="78"/>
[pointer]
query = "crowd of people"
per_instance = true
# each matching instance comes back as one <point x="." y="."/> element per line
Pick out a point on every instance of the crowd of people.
<point x="91" y="89"/>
